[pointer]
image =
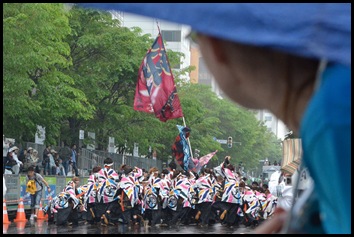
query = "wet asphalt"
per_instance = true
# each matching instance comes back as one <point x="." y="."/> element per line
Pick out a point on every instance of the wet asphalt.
<point x="42" y="227"/>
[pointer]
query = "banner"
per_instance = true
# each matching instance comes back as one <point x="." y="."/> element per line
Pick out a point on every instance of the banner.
<point x="40" y="135"/>
<point x="156" y="90"/>
<point x="204" y="160"/>
<point x="292" y="155"/>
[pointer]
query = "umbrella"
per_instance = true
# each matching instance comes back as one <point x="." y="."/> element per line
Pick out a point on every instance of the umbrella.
<point x="316" y="30"/>
<point x="292" y="154"/>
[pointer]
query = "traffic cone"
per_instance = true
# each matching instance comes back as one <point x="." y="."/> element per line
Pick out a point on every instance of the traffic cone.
<point x="5" y="216"/>
<point x="40" y="226"/>
<point x="5" y="227"/>
<point x="21" y="215"/>
<point x="41" y="213"/>
<point x="20" y="226"/>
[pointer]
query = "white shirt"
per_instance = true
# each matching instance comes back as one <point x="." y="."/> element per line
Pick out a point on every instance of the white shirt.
<point x="14" y="155"/>
<point x="5" y="148"/>
<point x="51" y="160"/>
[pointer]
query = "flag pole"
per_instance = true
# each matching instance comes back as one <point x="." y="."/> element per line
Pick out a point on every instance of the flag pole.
<point x="189" y="143"/>
<point x="184" y="121"/>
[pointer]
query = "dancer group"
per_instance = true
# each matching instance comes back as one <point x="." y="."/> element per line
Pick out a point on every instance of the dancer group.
<point x="170" y="197"/>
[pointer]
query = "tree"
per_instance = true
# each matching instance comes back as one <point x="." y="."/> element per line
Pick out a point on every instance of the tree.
<point x="35" y="90"/>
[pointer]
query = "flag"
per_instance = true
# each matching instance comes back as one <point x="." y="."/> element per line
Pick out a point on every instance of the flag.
<point x="204" y="160"/>
<point x="181" y="150"/>
<point x="156" y="90"/>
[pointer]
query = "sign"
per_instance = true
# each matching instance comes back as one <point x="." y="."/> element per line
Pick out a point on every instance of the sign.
<point x="221" y="141"/>
<point x="136" y="149"/>
<point x="81" y="134"/>
<point x="111" y="144"/>
<point x="40" y="135"/>
<point x="91" y="144"/>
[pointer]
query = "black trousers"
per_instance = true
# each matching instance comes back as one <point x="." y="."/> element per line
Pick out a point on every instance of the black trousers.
<point x="67" y="215"/>
<point x="205" y="209"/>
<point x="180" y="214"/>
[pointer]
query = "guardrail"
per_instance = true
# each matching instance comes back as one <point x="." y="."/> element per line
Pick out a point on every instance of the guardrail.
<point x="85" y="160"/>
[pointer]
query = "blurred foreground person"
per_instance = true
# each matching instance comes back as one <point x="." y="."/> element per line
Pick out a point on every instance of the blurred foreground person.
<point x="295" y="61"/>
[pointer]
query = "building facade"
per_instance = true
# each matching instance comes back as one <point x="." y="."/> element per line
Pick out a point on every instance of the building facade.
<point x="174" y="35"/>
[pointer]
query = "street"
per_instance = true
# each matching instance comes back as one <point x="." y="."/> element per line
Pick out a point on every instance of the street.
<point x="42" y="227"/>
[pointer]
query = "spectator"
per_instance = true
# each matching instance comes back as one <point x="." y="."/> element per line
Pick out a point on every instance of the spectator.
<point x="36" y="193"/>
<point x="60" y="168"/>
<point x="45" y="161"/>
<point x="93" y="161"/>
<point x="36" y="161"/>
<point x="65" y="154"/>
<point x="52" y="165"/>
<point x="22" y="157"/>
<point x="5" y="150"/>
<point x="27" y="161"/>
<point x="73" y="160"/>
<point x="13" y="154"/>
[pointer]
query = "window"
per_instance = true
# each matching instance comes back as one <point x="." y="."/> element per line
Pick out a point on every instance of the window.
<point x="268" y="118"/>
<point x="171" y="35"/>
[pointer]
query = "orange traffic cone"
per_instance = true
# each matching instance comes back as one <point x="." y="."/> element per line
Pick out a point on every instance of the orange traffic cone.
<point x="20" y="226"/>
<point x="41" y="213"/>
<point x="5" y="227"/>
<point x="40" y="226"/>
<point x="5" y="216"/>
<point x="21" y="215"/>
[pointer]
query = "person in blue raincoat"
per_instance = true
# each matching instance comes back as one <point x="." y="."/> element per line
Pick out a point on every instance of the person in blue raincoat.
<point x="295" y="61"/>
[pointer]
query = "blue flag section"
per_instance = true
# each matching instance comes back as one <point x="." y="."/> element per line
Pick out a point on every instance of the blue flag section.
<point x="181" y="149"/>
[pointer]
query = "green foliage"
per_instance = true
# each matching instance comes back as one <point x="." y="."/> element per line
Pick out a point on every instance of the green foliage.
<point x="36" y="87"/>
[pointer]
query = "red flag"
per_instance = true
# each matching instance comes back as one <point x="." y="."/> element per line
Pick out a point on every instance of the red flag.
<point x="156" y="90"/>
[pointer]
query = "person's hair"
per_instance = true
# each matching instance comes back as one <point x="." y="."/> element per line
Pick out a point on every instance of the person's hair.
<point x="165" y="171"/>
<point x="96" y="169"/>
<point x="172" y="165"/>
<point x="75" y="178"/>
<point x="31" y="168"/>
<point x="242" y="184"/>
<point x="127" y="169"/>
<point x="153" y="169"/>
<point x="255" y="183"/>
<point x="108" y="160"/>
<point x="264" y="186"/>
<point x="230" y="167"/>
<point x="176" y="173"/>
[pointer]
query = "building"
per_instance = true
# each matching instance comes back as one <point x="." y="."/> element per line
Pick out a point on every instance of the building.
<point x="174" y="35"/>
<point x="273" y="123"/>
